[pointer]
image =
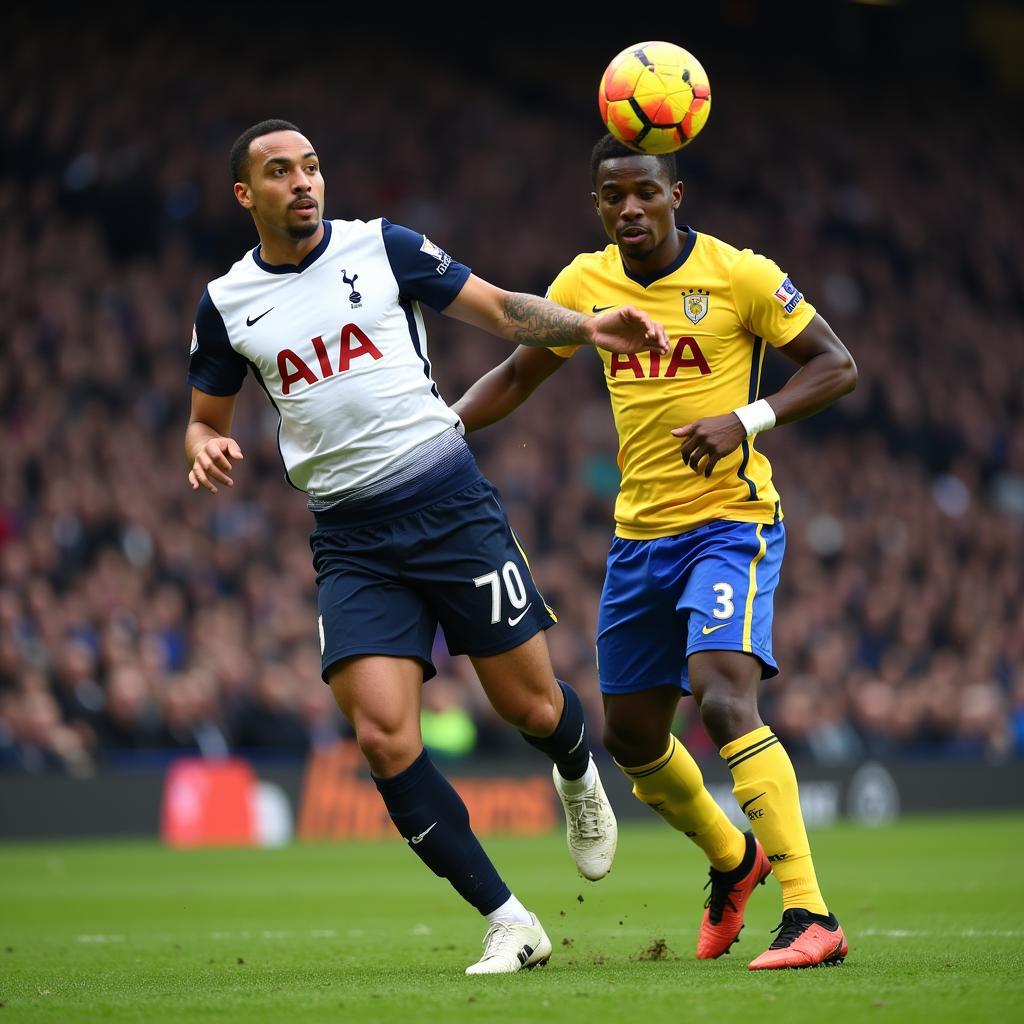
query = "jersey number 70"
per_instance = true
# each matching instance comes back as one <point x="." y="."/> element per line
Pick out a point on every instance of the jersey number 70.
<point x="513" y="587"/>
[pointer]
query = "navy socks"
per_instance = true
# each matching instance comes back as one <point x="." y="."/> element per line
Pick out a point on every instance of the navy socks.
<point x="568" y="746"/>
<point x="433" y="820"/>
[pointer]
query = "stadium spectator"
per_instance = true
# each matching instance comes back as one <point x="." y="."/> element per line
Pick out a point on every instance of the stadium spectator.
<point x="124" y="622"/>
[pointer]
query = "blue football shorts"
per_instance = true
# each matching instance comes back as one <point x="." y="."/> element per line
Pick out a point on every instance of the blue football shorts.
<point x="384" y="585"/>
<point x="710" y="589"/>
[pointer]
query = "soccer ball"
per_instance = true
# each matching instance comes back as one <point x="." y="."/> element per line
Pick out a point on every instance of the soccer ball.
<point x="654" y="97"/>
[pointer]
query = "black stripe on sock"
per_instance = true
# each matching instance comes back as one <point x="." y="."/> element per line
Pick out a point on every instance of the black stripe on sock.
<point x="746" y="750"/>
<point x="760" y="750"/>
<point x="634" y="774"/>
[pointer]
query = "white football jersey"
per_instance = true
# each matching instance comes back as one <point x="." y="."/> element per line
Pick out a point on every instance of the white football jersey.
<point x="338" y="344"/>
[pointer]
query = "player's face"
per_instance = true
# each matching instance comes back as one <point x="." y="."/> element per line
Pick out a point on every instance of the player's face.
<point x="636" y="203"/>
<point x="285" y="191"/>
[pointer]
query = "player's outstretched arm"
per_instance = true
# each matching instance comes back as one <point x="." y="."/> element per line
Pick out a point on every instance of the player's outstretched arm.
<point x="531" y="320"/>
<point x="208" y="447"/>
<point x="827" y="372"/>
<point x="506" y="387"/>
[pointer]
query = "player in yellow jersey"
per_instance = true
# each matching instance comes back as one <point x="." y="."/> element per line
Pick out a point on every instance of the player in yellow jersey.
<point x="698" y="531"/>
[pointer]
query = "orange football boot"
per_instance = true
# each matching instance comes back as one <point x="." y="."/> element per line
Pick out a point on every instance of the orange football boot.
<point x="723" y="914"/>
<point x="804" y="940"/>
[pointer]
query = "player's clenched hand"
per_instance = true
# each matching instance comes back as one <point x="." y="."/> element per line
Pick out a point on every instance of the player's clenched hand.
<point x="212" y="462"/>
<point x="627" y="330"/>
<point x="705" y="441"/>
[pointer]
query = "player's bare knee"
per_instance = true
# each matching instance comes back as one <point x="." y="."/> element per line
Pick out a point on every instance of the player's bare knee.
<point x="534" y="714"/>
<point x="616" y="744"/>
<point x="632" y="746"/>
<point x="536" y="718"/>
<point x="386" y="752"/>
<point x="728" y="712"/>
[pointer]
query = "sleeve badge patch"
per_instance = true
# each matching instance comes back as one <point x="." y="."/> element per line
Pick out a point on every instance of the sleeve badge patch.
<point x="195" y="343"/>
<point x="788" y="296"/>
<point x="443" y="259"/>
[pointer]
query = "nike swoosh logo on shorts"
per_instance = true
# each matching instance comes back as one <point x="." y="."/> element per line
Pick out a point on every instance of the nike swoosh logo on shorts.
<point x="518" y="618"/>
<point x="416" y="840"/>
<point x="721" y="625"/>
<point x="249" y="323"/>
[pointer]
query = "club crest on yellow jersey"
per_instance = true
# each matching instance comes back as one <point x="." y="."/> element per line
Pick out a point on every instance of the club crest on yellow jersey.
<point x="695" y="304"/>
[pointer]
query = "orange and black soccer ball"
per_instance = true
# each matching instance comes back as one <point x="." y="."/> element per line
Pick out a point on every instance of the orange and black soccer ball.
<point x="654" y="97"/>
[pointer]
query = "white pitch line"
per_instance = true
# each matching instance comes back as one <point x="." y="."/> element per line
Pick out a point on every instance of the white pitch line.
<point x="268" y="934"/>
<point x="969" y="933"/>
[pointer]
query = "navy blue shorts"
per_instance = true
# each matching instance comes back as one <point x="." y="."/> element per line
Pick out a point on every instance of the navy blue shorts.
<point x="711" y="589"/>
<point x="384" y="585"/>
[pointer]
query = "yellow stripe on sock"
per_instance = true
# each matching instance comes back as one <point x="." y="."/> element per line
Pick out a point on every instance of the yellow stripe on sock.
<point x="748" y="615"/>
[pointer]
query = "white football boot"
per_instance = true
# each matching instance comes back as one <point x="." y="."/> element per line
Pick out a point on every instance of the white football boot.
<point x="511" y="947"/>
<point x="590" y="827"/>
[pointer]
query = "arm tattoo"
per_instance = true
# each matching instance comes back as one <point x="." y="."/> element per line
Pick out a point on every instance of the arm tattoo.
<point x="541" y="324"/>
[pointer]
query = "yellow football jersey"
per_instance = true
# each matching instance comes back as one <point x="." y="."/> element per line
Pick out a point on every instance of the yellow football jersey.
<point x="720" y="306"/>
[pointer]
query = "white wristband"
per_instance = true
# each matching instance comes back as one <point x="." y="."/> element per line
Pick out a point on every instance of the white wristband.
<point x="756" y="417"/>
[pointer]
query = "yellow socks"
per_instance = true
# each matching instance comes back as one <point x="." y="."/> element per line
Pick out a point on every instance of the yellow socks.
<point x="764" y="785"/>
<point x="674" y="787"/>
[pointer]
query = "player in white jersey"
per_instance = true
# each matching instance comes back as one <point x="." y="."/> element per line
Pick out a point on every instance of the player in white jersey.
<point x="408" y="533"/>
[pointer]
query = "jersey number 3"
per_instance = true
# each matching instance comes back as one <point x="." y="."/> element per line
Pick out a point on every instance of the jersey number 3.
<point x="723" y="605"/>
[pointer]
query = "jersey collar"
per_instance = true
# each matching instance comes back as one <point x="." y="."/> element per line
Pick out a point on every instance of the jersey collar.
<point x="296" y="268"/>
<point x="645" y="281"/>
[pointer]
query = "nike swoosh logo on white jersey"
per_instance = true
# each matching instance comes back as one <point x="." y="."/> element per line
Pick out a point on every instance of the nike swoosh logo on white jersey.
<point x="518" y="618"/>
<point x="249" y="321"/>
<point x="721" y="625"/>
<point x="416" y="840"/>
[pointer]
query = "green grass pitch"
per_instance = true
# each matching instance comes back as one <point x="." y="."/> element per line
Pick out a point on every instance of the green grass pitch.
<point x="933" y="909"/>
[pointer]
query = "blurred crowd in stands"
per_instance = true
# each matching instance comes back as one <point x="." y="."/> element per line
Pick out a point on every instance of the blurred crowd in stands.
<point x="137" y="617"/>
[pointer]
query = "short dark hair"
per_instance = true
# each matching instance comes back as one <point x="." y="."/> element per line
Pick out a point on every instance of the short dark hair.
<point x="609" y="148"/>
<point x="240" y="149"/>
